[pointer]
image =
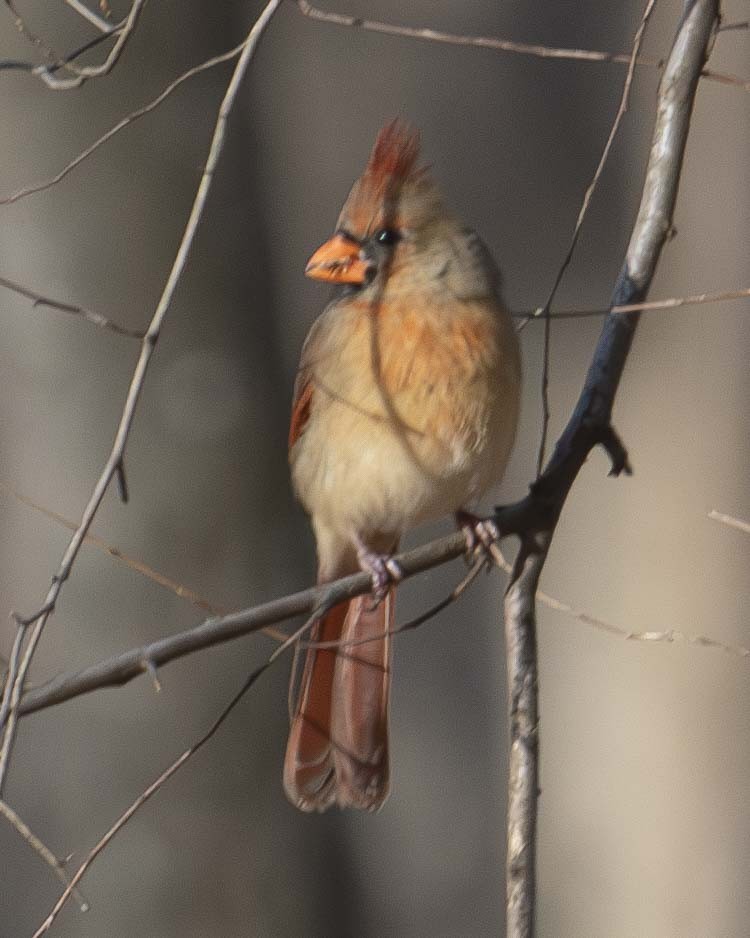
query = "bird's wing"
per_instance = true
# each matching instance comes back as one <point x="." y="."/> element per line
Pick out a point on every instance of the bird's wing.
<point x="304" y="383"/>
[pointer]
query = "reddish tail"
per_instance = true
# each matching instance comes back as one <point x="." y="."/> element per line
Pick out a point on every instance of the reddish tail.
<point x="338" y="742"/>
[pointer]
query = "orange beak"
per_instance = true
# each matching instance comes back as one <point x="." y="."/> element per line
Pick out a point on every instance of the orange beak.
<point x="338" y="261"/>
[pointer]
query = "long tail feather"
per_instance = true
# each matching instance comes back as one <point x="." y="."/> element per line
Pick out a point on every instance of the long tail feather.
<point x="308" y="767"/>
<point x="338" y="741"/>
<point x="360" y="705"/>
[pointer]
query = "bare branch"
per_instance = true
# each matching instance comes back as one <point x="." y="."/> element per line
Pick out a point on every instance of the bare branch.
<point x="12" y="671"/>
<point x="122" y="31"/>
<point x="97" y="71"/>
<point x="652" y="636"/>
<point x="730" y="521"/>
<point x="499" y="45"/>
<point x="454" y="39"/>
<point x="523" y="761"/>
<point x="139" y="375"/>
<point x="174" y="767"/>
<point x="458" y="590"/>
<point x="82" y="10"/>
<point x="179" y="589"/>
<point x="63" y="61"/>
<point x="725" y="79"/>
<point x="124" y="122"/>
<point x="123" y="668"/>
<point x="671" y="302"/>
<point x="621" y="110"/>
<point x="25" y="832"/>
<point x="95" y="319"/>
<point x="590" y="424"/>
<point x="728" y="27"/>
<point x="142" y="799"/>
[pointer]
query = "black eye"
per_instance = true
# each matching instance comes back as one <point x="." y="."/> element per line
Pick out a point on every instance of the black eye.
<point x="387" y="236"/>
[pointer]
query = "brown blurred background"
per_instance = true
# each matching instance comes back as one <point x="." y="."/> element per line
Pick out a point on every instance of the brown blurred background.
<point x="644" y="820"/>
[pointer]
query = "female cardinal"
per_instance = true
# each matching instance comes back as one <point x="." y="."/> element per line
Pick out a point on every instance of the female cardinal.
<point x="405" y="409"/>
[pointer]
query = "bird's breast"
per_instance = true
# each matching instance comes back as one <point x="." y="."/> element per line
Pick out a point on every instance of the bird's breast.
<point x="414" y="408"/>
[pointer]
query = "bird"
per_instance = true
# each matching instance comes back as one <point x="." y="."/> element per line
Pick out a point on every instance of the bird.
<point x="405" y="409"/>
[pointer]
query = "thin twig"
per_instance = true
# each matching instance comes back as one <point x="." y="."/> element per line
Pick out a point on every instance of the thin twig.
<point x="671" y="302"/>
<point x="652" y="636"/>
<point x="25" y="832"/>
<point x="56" y="61"/>
<point x="82" y="10"/>
<point x="499" y="45"/>
<point x="122" y="483"/>
<point x="73" y="309"/>
<point x="546" y="309"/>
<point x="142" y="799"/>
<point x="136" y="385"/>
<point x="729" y="521"/>
<point x="143" y="569"/>
<point x="169" y="772"/>
<point x="454" y="39"/>
<point x="726" y="79"/>
<point x="97" y="71"/>
<point x="64" y="60"/>
<point x="12" y="671"/>
<point x="116" y="128"/>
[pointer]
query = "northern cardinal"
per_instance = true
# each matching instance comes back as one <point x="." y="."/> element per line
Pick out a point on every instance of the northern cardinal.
<point x="405" y="410"/>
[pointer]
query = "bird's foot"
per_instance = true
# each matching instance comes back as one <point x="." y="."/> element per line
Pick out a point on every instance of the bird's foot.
<point x="383" y="570"/>
<point x="482" y="534"/>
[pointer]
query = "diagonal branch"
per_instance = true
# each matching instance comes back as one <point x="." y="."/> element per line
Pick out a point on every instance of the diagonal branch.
<point x="72" y="309"/>
<point x="120" y="125"/>
<point x="123" y="668"/>
<point x="82" y="10"/>
<point x="730" y="521"/>
<point x="55" y="864"/>
<point x="587" y="196"/>
<point x="148" y="345"/>
<point x="133" y="563"/>
<point x="123" y="819"/>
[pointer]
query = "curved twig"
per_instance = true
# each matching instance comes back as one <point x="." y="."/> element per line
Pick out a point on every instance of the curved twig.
<point x="96" y="71"/>
<point x="120" y="125"/>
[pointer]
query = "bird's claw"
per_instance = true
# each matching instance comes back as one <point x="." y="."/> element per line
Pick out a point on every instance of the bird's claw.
<point x="383" y="570"/>
<point x="481" y="534"/>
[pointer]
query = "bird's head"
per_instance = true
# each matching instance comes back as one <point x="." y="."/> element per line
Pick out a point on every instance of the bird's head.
<point x="389" y="218"/>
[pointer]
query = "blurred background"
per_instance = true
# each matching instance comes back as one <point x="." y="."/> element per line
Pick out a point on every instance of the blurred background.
<point x="644" y="825"/>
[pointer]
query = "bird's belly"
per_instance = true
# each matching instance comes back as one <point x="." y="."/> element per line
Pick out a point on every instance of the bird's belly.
<point x="362" y="473"/>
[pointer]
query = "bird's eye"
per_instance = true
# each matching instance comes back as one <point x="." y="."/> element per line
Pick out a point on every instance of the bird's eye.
<point x="387" y="236"/>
